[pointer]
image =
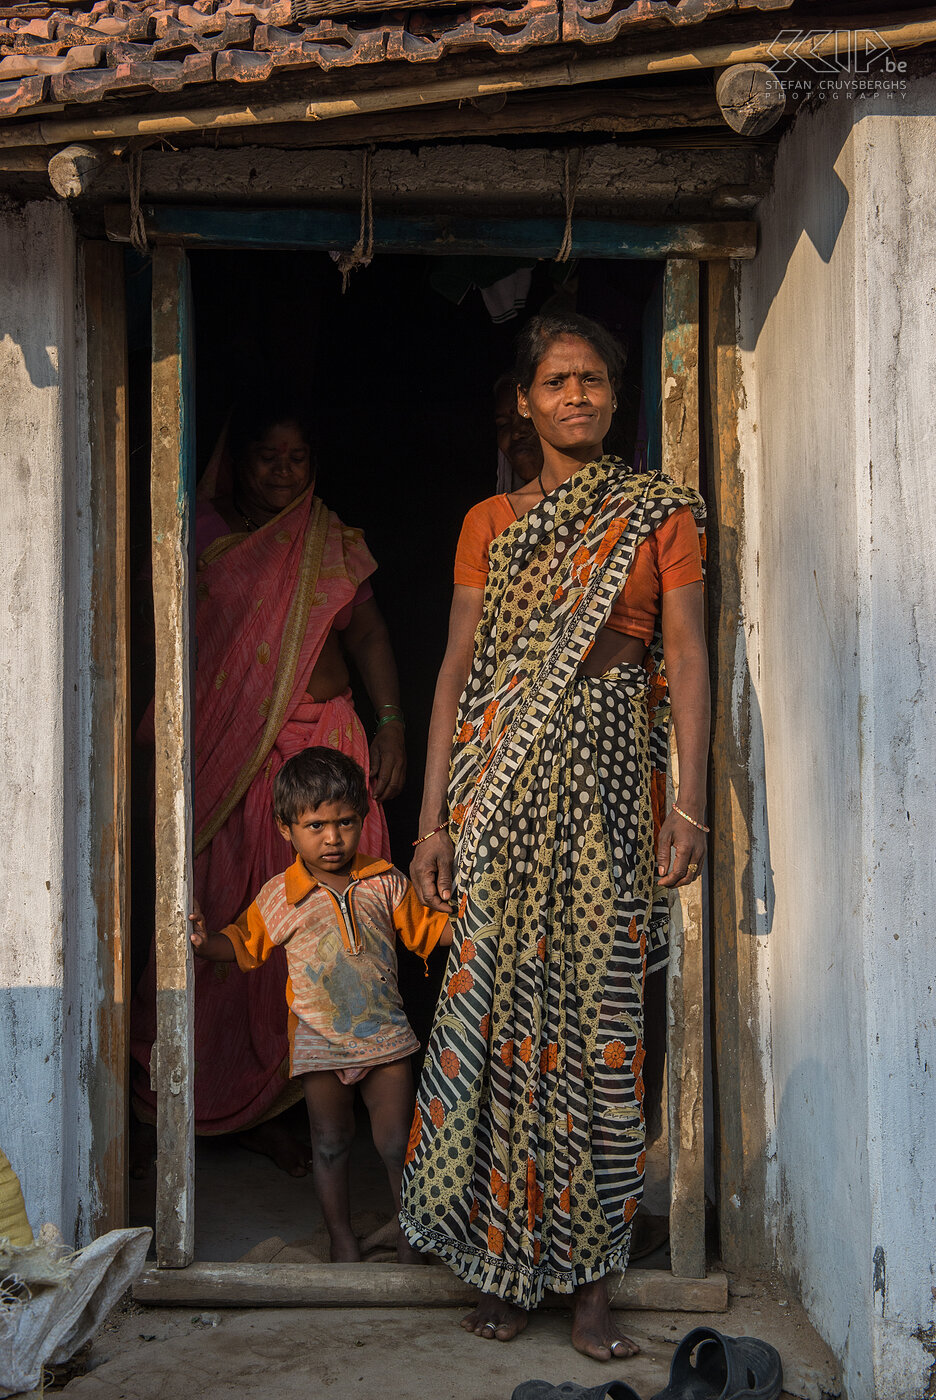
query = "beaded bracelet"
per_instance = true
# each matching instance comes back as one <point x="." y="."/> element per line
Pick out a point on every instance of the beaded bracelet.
<point x="434" y="832"/>
<point x="700" y="826"/>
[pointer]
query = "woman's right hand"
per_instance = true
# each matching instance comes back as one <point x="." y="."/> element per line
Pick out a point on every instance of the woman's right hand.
<point x="199" y="930"/>
<point x="431" y="872"/>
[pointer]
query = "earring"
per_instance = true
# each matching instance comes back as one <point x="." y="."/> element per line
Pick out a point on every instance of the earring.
<point x="614" y="405"/>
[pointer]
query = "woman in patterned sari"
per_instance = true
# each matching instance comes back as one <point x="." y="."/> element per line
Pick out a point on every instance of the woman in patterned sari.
<point x="527" y="1154"/>
<point x="282" y="598"/>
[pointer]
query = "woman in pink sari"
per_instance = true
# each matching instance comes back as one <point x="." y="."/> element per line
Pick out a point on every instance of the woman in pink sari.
<point x="282" y="597"/>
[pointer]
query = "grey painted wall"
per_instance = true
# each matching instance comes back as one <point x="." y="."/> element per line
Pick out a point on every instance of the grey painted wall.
<point x="839" y="430"/>
<point x="48" y="972"/>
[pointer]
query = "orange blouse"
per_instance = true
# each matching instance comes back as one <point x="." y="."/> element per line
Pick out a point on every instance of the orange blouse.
<point x="668" y="558"/>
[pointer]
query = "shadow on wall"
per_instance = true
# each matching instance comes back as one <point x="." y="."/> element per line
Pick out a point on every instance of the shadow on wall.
<point x="820" y="219"/>
<point x="37" y="360"/>
<point x="823" y="218"/>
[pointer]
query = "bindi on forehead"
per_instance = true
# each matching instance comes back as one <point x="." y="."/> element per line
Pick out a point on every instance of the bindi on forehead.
<point x="563" y="370"/>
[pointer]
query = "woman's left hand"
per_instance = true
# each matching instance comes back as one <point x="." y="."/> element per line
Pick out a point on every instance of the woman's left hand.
<point x="387" y="762"/>
<point x="680" y="852"/>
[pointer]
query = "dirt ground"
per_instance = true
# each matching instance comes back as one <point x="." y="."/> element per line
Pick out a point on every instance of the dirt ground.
<point x="150" y="1353"/>
<point x="294" y="1354"/>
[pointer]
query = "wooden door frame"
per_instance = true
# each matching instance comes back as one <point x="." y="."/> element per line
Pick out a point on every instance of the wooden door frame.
<point x="739" y="1073"/>
<point x="109" y="775"/>
<point x="172" y="494"/>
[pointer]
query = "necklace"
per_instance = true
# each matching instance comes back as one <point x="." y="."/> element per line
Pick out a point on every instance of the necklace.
<point x="539" y="478"/>
<point x="251" y="524"/>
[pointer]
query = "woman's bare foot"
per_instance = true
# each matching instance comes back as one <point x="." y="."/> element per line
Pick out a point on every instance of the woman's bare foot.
<point x="495" y="1320"/>
<point x="594" y="1332"/>
<point x="272" y="1140"/>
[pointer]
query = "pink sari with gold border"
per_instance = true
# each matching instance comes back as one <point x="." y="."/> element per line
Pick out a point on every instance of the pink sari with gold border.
<point x="266" y="603"/>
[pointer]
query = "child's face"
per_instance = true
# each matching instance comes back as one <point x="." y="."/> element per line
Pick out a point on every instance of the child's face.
<point x="326" y="837"/>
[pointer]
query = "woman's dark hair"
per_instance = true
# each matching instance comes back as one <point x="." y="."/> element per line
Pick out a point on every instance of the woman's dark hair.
<point x="315" y="776"/>
<point x="539" y="333"/>
<point x="255" y="416"/>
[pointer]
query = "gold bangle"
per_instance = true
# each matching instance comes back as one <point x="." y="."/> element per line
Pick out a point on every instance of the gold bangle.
<point x="700" y="826"/>
<point x="434" y="832"/>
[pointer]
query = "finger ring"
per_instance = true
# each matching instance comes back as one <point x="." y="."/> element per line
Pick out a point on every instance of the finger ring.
<point x="693" y="867"/>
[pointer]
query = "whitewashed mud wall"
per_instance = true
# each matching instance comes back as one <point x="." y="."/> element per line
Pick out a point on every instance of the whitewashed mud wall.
<point x="838" y="326"/>
<point x="48" y="971"/>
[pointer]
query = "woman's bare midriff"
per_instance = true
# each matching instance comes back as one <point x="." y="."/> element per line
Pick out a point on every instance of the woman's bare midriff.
<point x="329" y="674"/>
<point x="613" y="649"/>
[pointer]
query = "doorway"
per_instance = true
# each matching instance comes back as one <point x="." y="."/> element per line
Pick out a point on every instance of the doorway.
<point x="395" y="333"/>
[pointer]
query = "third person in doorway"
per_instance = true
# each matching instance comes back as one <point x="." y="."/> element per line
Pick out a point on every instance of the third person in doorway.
<point x="284" y="601"/>
<point x="526" y="1160"/>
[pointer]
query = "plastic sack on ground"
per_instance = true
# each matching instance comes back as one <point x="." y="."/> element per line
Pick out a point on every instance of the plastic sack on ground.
<point x="52" y="1301"/>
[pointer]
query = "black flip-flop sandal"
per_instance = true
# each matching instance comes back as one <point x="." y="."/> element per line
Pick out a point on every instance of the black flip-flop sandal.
<point x="571" y="1390"/>
<point x="726" y="1368"/>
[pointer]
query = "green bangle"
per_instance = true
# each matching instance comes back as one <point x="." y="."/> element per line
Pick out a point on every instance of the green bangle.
<point x="390" y="719"/>
<point x="396" y="708"/>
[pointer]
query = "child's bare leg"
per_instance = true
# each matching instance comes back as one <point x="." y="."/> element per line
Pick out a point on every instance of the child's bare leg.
<point x="331" y="1121"/>
<point x="391" y="1099"/>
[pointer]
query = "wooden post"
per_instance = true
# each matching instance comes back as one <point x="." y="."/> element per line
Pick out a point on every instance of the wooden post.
<point x="109" y="774"/>
<point x="685" y="1001"/>
<point x="739" y="1081"/>
<point x="172" y="486"/>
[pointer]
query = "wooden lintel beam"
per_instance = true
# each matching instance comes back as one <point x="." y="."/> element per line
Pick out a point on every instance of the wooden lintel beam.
<point x="391" y="1285"/>
<point x="638" y="183"/>
<point x="310" y="229"/>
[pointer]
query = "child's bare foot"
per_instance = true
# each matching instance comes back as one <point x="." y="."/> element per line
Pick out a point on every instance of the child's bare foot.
<point x="594" y="1332"/>
<point x="495" y="1320"/>
<point x="344" y="1249"/>
<point x="273" y="1141"/>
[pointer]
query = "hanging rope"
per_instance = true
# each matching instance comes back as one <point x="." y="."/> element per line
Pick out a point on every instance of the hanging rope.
<point x="570" y="189"/>
<point x="137" y="223"/>
<point x="363" y="251"/>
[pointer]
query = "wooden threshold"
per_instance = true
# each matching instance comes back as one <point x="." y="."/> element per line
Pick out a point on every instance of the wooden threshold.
<point x="391" y="1286"/>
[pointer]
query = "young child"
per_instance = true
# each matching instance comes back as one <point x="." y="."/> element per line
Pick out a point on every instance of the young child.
<point x="337" y="913"/>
